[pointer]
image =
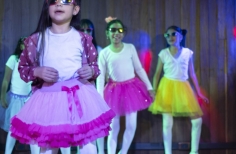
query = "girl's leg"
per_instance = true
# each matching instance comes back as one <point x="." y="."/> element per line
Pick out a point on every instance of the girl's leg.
<point x="167" y="132"/>
<point x="195" y="135"/>
<point x="54" y="150"/>
<point x="34" y="149"/>
<point x="89" y="148"/>
<point x="131" y="124"/>
<point x="48" y="151"/>
<point x="9" y="143"/>
<point x="65" y="150"/>
<point x="112" y="138"/>
<point x="100" y="145"/>
<point x="78" y="150"/>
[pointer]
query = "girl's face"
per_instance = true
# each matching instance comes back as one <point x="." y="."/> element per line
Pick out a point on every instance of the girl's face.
<point x="115" y="33"/>
<point x="87" y="29"/>
<point x="173" y="37"/>
<point x="22" y="46"/>
<point x="62" y="13"/>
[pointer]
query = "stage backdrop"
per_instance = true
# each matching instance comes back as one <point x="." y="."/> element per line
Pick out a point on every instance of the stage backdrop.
<point x="210" y="26"/>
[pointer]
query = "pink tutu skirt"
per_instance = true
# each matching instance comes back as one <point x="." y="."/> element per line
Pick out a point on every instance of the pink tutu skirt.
<point x="63" y="114"/>
<point x="128" y="96"/>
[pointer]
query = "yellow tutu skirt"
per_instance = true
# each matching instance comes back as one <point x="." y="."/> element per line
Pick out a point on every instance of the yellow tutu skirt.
<point x="175" y="97"/>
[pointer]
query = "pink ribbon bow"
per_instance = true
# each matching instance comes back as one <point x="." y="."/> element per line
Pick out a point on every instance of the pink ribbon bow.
<point x="72" y="92"/>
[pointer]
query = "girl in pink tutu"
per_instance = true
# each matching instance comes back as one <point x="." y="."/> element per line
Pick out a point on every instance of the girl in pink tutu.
<point x="124" y="93"/>
<point x="65" y="109"/>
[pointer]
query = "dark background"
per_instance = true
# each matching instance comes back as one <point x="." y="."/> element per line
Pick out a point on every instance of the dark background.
<point x="210" y="26"/>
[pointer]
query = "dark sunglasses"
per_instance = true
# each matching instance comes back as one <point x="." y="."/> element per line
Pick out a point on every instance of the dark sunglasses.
<point x="166" y="35"/>
<point x="88" y="30"/>
<point x="113" y="30"/>
<point x="64" y="2"/>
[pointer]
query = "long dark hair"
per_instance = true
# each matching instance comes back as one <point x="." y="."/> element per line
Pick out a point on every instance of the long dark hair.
<point x="116" y="21"/>
<point x="183" y="32"/>
<point x="18" y="49"/>
<point x="89" y="23"/>
<point x="45" y="21"/>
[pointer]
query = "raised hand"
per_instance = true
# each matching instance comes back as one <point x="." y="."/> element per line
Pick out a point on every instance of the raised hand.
<point x="48" y="74"/>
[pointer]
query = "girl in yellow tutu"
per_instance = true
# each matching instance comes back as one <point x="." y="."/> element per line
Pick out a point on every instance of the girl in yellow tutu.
<point x="174" y="96"/>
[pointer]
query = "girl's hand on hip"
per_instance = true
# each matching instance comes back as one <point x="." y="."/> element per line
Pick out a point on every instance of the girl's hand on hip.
<point x="85" y="72"/>
<point x="48" y="74"/>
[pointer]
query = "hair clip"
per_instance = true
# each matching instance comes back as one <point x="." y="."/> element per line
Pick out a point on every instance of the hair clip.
<point x="109" y="19"/>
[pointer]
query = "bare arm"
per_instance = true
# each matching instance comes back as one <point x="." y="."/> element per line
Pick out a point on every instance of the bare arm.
<point x="157" y="74"/>
<point x="195" y="81"/>
<point x="5" y="83"/>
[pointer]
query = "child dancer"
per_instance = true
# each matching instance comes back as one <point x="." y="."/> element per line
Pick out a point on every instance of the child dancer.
<point x="174" y="96"/>
<point x="124" y="92"/>
<point x="16" y="97"/>
<point x="87" y="27"/>
<point x="65" y="109"/>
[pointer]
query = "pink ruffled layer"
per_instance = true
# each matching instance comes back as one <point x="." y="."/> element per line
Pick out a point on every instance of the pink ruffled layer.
<point x="64" y="135"/>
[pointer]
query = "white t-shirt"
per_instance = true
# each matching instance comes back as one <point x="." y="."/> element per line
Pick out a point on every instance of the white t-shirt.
<point x="176" y="68"/>
<point x="63" y="52"/>
<point x="18" y="86"/>
<point x="120" y="66"/>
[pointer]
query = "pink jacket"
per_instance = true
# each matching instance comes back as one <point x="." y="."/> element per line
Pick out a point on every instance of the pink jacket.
<point x="28" y="59"/>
